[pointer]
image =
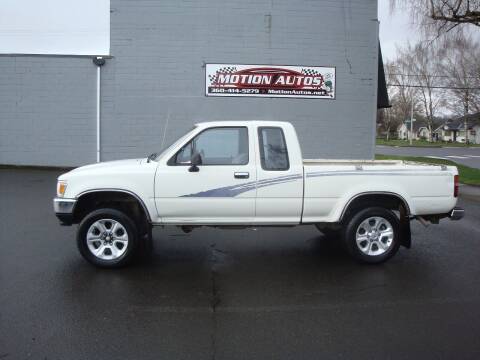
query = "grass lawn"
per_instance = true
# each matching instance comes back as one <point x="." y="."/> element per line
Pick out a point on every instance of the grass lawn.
<point x="421" y="143"/>
<point x="468" y="175"/>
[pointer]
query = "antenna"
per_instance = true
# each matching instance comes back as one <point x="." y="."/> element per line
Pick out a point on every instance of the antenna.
<point x="165" y="129"/>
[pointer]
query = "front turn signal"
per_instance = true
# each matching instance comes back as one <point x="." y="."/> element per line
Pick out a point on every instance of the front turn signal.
<point x="61" y="187"/>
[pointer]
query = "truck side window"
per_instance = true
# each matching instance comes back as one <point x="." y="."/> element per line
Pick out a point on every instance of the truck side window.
<point x="218" y="146"/>
<point x="185" y="154"/>
<point x="273" y="149"/>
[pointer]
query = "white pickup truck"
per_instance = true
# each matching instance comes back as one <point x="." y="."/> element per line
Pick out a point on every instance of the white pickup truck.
<point x="232" y="174"/>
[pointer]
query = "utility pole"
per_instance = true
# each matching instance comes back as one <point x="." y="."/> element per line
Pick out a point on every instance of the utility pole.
<point x="465" y="114"/>
<point x="411" y="123"/>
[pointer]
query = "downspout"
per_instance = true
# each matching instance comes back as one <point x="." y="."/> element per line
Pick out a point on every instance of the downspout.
<point x="375" y="84"/>
<point x="99" y="62"/>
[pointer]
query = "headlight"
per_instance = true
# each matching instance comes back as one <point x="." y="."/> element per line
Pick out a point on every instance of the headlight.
<point x="61" y="187"/>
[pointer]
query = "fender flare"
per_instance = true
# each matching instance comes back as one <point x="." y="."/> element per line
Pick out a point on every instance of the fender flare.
<point x="144" y="207"/>
<point x="366" y="193"/>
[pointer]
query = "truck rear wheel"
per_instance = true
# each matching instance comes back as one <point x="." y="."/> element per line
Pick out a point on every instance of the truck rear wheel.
<point x="372" y="235"/>
<point x="107" y="238"/>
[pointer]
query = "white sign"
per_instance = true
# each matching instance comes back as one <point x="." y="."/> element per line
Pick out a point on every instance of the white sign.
<point x="314" y="82"/>
<point x="55" y="27"/>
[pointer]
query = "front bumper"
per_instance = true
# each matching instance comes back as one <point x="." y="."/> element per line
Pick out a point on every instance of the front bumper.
<point x="64" y="210"/>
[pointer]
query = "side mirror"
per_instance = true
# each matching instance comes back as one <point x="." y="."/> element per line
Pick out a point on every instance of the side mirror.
<point x="196" y="160"/>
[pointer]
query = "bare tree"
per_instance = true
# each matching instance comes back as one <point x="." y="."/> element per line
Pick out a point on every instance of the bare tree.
<point x="402" y="90"/>
<point x="390" y="118"/>
<point x="425" y="64"/>
<point x="441" y="16"/>
<point x="460" y="66"/>
<point x="414" y="73"/>
<point x="475" y="105"/>
<point x="400" y="87"/>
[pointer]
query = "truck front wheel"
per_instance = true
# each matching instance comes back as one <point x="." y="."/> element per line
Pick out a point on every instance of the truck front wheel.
<point x="372" y="235"/>
<point x="107" y="238"/>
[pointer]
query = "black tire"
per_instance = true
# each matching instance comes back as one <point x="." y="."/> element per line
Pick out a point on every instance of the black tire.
<point x="359" y="218"/>
<point x="103" y="215"/>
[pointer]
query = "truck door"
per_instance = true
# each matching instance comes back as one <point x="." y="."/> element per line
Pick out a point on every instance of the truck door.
<point x="279" y="179"/>
<point x="223" y="189"/>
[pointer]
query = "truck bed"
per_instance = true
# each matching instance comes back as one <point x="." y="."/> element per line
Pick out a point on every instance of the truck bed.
<point x="330" y="184"/>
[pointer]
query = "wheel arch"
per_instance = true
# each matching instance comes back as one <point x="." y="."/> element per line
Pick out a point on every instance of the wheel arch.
<point x="93" y="198"/>
<point x="376" y="198"/>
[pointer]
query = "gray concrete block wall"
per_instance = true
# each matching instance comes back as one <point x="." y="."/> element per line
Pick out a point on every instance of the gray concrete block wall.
<point x="156" y="76"/>
<point x="47" y="111"/>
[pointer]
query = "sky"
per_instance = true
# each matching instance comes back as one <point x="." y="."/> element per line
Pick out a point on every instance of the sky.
<point x="395" y="29"/>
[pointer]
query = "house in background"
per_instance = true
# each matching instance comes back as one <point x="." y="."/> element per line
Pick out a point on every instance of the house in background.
<point x="461" y="137"/>
<point x="453" y="130"/>
<point x="448" y="131"/>
<point x="420" y="131"/>
<point x="423" y="133"/>
<point x="473" y="122"/>
<point x="476" y="133"/>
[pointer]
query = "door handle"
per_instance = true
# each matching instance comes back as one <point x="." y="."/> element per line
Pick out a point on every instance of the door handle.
<point x="242" y="175"/>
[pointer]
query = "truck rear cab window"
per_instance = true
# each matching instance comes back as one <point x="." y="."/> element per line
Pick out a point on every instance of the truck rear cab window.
<point x="217" y="146"/>
<point x="273" y="149"/>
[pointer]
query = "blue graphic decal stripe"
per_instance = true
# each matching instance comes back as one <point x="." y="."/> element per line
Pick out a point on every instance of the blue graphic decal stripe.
<point x="234" y="190"/>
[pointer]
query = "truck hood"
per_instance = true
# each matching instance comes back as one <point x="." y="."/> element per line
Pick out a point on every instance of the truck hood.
<point x="105" y="166"/>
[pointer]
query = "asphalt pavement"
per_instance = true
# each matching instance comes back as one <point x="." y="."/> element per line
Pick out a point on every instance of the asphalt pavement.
<point x="239" y="294"/>
<point x="467" y="156"/>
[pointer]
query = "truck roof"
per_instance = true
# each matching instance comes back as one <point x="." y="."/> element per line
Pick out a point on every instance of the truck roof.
<point x="242" y="123"/>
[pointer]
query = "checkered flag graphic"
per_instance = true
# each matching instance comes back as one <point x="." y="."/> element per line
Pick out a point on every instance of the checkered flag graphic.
<point x="310" y="72"/>
<point x="228" y="69"/>
<point x="326" y="84"/>
<point x="224" y="70"/>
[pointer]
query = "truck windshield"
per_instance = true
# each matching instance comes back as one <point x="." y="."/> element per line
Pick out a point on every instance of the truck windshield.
<point x="160" y="154"/>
